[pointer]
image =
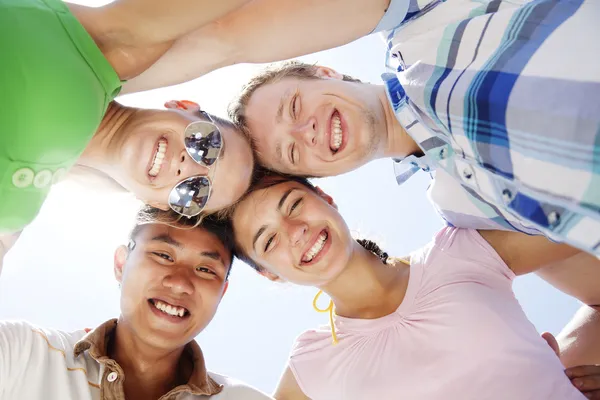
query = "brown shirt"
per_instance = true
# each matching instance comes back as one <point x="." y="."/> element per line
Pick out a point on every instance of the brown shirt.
<point x="111" y="388"/>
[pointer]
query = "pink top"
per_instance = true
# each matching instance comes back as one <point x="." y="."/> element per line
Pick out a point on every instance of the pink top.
<point x="459" y="334"/>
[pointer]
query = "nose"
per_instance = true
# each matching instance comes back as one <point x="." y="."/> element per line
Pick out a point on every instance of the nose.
<point x="179" y="281"/>
<point x="297" y="232"/>
<point x="186" y="166"/>
<point x="307" y="132"/>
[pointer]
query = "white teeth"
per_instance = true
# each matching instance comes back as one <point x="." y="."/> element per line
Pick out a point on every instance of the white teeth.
<point x="336" y="133"/>
<point x="169" y="309"/>
<point x="158" y="158"/>
<point x="316" y="248"/>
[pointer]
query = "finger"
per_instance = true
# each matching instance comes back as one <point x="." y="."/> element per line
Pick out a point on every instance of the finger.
<point x="593" y="395"/>
<point x="587" y="383"/>
<point x="551" y="340"/>
<point x="582" y="370"/>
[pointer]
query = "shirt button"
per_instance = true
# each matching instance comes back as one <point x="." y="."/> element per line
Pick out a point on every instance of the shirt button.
<point x="23" y="178"/>
<point x="467" y="173"/>
<point x="58" y="175"/>
<point x="112" y="377"/>
<point x="553" y="218"/>
<point x="443" y="153"/>
<point x="507" y="196"/>
<point x="42" y="179"/>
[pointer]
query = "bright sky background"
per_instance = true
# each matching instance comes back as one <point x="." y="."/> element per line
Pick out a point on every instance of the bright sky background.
<point x="60" y="273"/>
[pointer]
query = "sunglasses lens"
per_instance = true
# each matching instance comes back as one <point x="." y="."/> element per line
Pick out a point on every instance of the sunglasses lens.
<point x="203" y="142"/>
<point x="190" y="196"/>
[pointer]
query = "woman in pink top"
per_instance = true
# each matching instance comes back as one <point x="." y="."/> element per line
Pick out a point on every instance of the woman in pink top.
<point x="447" y="326"/>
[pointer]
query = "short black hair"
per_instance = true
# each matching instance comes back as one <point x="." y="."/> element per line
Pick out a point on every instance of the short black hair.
<point x="221" y="228"/>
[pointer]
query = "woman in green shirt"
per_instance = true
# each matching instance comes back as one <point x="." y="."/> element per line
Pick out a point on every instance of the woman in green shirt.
<point x="62" y="65"/>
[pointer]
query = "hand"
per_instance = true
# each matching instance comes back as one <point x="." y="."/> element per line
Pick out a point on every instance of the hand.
<point x="586" y="378"/>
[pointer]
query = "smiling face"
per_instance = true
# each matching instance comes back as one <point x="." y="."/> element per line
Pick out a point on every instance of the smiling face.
<point x="315" y="127"/>
<point x="294" y="233"/>
<point x="151" y="159"/>
<point x="172" y="282"/>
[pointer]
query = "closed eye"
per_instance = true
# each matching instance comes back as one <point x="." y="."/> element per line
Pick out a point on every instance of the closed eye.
<point x="295" y="205"/>
<point x="292" y="154"/>
<point x="293" y="107"/>
<point x="164" y="256"/>
<point x="269" y="242"/>
<point x="205" y="270"/>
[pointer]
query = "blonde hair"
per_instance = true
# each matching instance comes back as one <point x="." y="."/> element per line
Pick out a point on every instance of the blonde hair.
<point x="271" y="74"/>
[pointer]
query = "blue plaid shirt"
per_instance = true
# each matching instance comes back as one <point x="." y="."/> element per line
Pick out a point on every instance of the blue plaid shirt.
<point x="503" y="97"/>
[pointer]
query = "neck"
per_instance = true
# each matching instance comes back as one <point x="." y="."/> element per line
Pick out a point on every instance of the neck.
<point x="398" y="142"/>
<point x="99" y="153"/>
<point x="381" y="290"/>
<point x="150" y="372"/>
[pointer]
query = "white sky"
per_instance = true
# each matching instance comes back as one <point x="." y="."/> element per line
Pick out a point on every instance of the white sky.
<point x="60" y="273"/>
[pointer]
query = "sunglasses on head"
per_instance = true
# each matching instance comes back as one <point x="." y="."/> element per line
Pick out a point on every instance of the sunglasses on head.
<point x="203" y="142"/>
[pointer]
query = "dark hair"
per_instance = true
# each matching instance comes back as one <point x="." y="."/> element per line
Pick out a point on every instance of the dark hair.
<point x="221" y="228"/>
<point x="264" y="179"/>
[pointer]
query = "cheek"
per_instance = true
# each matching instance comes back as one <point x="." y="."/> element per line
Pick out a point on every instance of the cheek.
<point x="156" y="197"/>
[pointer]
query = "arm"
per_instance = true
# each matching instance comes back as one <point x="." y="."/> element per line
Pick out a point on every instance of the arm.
<point x="578" y="347"/>
<point x="579" y="341"/>
<point x="262" y="31"/>
<point x="288" y="388"/>
<point x="524" y="253"/>
<point x="156" y="21"/>
<point x="577" y="276"/>
<point x="6" y="243"/>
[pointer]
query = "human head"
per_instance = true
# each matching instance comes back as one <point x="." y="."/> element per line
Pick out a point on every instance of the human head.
<point x="146" y="134"/>
<point x="282" y="221"/>
<point x="180" y="265"/>
<point x="310" y="120"/>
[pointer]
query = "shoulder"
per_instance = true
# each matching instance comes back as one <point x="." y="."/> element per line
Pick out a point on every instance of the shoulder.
<point x="312" y="341"/>
<point x="23" y="333"/>
<point x="236" y="389"/>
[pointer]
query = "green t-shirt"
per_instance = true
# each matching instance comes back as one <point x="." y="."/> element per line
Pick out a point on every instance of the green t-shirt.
<point x="55" y="86"/>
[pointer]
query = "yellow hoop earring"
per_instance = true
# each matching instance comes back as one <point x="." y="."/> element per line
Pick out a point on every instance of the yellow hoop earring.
<point x="330" y="311"/>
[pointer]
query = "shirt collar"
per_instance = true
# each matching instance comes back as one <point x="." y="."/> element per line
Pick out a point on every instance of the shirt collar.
<point x="95" y="342"/>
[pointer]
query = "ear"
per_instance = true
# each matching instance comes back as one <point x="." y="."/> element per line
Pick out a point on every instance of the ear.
<point x="270" y="276"/>
<point x="119" y="260"/>
<point x="327" y="73"/>
<point x="160" y="206"/>
<point x="183" y="105"/>
<point x="326" y="197"/>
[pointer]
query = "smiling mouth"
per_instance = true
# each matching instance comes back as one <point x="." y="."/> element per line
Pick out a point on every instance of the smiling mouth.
<point x="317" y="247"/>
<point x="159" y="158"/>
<point x="169" y="309"/>
<point x="337" y="135"/>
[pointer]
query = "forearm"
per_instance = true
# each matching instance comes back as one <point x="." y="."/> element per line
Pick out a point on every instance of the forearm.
<point x="262" y="31"/>
<point x="6" y="243"/>
<point x="149" y="22"/>
<point x="577" y="276"/>
<point x="579" y="341"/>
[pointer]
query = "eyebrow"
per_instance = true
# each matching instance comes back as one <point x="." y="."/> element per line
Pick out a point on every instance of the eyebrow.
<point x="279" y="153"/>
<point x="166" y="238"/>
<point x="215" y="255"/>
<point x="278" y="117"/>
<point x="282" y="103"/>
<point x="264" y="227"/>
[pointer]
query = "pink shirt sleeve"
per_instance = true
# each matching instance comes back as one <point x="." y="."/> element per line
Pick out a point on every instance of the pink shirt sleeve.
<point x="460" y="255"/>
